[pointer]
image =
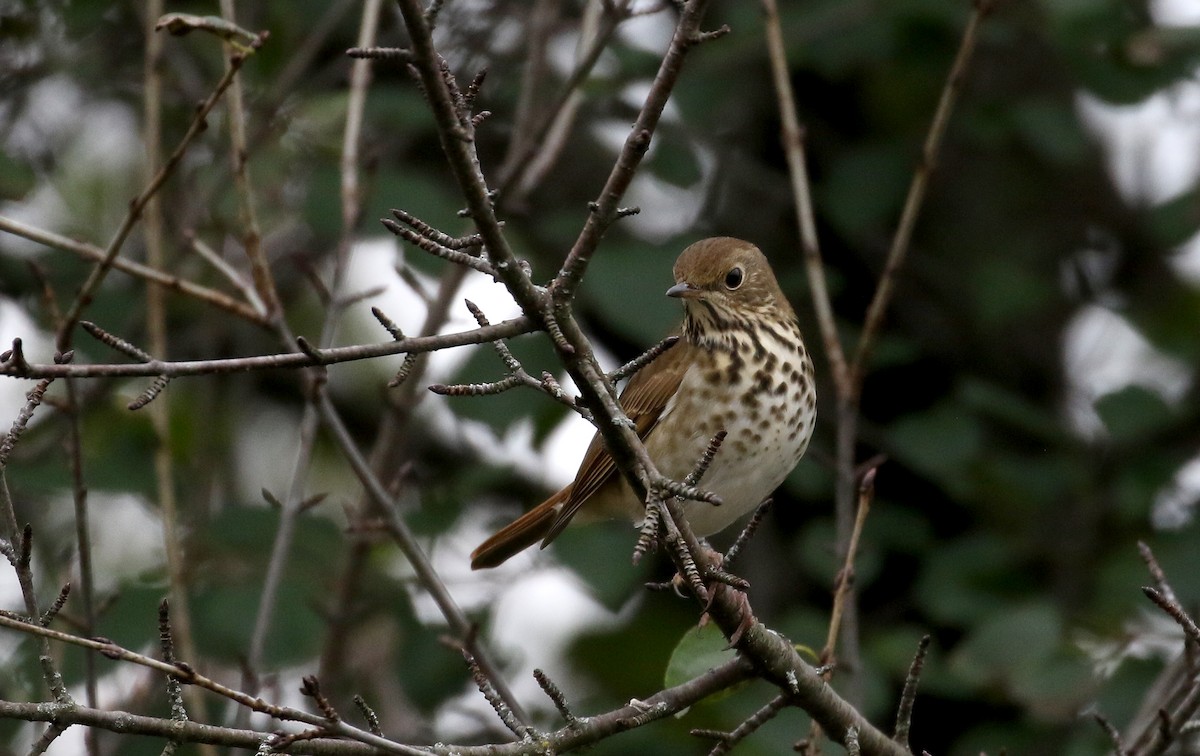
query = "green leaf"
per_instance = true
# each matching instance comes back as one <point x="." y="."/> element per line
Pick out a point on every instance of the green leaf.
<point x="700" y="649"/>
<point x="1133" y="413"/>
<point x="1010" y="642"/>
<point x="940" y="443"/>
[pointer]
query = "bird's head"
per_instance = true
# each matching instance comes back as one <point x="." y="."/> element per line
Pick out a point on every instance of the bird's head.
<point x="725" y="279"/>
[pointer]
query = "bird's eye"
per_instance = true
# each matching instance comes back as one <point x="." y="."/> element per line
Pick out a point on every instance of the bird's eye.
<point x="733" y="278"/>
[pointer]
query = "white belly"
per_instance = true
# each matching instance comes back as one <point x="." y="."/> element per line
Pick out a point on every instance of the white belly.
<point x="766" y="434"/>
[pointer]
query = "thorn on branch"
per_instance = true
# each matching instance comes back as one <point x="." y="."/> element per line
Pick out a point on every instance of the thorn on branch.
<point x="428" y="245"/>
<point x="556" y="335"/>
<point x="1113" y="735"/>
<point x="49" y="615"/>
<point x="311" y="687"/>
<point x="642" y="360"/>
<point x="410" y="360"/>
<point x="476" y="389"/>
<point x="497" y="703"/>
<point x="1156" y="571"/>
<point x="15" y="357"/>
<point x="382" y="53"/>
<point x="406" y="368"/>
<point x="468" y="241"/>
<point x="151" y="393"/>
<point x="748" y="532"/>
<point x="369" y="715"/>
<point x="620" y="212"/>
<point x="727" y="740"/>
<point x="690" y="571"/>
<point x="1176" y="611"/>
<point x="700" y="38"/>
<point x="556" y="695"/>
<point x="388" y="325"/>
<point x="909" y="695"/>
<point x="468" y="98"/>
<point x="710" y="452"/>
<point x="648" y="535"/>
<point x="684" y="491"/>
<point x="309" y="350"/>
<point x="114" y="342"/>
<point x="729" y="579"/>
<point x="32" y="400"/>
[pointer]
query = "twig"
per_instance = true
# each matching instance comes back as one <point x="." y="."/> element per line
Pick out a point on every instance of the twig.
<point x="642" y="360"/>
<point x="285" y="360"/>
<point x="498" y="704"/>
<point x="747" y="532"/>
<point x="634" y="149"/>
<point x="1177" y="612"/>
<point x="260" y="272"/>
<point x="145" y="272"/>
<point x="793" y="146"/>
<point x="909" y="696"/>
<point x="368" y="714"/>
<point x="594" y="728"/>
<point x="228" y="272"/>
<point x="917" y="189"/>
<point x="32" y="401"/>
<point x="556" y="695"/>
<point x="88" y="289"/>
<point x="845" y="577"/>
<point x="189" y="676"/>
<point x="728" y="740"/>
<point x="428" y="577"/>
<point x="843" y="585"/>
<point x="1113" y="735"/>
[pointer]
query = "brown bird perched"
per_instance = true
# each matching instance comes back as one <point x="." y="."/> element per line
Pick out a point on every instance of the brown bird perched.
<point x="741" y="367"/>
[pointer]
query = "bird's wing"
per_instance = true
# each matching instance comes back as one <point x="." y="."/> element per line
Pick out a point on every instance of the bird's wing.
<point x="644" y="399"/>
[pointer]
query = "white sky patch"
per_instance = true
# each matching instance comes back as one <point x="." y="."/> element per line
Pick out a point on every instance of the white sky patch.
<point x="373" y="265"/>
<point x="1186" y="261"/>
<point x="650" y="32"/>
<point x="1103" y="353"/>
<point x="38" y="347"/>
<point x="126" y="538"/>
<point x="95" y="144"/>
<point x="1150" y="147"/>
<point x="1153" y="153"/>
<point x="1175" y="505"/>
<point x="1175" y="12"/>
<point x="533" y="623"/>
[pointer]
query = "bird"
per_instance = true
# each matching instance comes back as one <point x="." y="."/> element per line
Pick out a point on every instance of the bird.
<point x="740" y="366"/>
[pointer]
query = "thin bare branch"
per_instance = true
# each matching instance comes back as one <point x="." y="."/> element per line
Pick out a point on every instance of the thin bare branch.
<point x="909" y="696"/>
<point x="916" y="191"/>
<point x="145" y="272"/>
<point x="793" y="146"/>
<point x="286" y="360"/>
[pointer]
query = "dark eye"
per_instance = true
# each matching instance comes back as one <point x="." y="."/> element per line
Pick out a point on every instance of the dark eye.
<point x="733" y="279"/>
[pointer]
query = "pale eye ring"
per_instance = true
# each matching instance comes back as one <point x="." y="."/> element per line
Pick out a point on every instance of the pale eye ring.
<point x="734" y="278"/>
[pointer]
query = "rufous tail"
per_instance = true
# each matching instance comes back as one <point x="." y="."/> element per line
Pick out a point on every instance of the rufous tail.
<point x="519" y="534"/>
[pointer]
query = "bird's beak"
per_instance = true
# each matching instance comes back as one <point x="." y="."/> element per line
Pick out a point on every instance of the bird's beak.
<point x="683" y="291"/>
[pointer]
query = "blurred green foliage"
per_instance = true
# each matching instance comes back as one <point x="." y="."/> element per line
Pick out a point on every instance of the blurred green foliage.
<point x="1003" y="526"/>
